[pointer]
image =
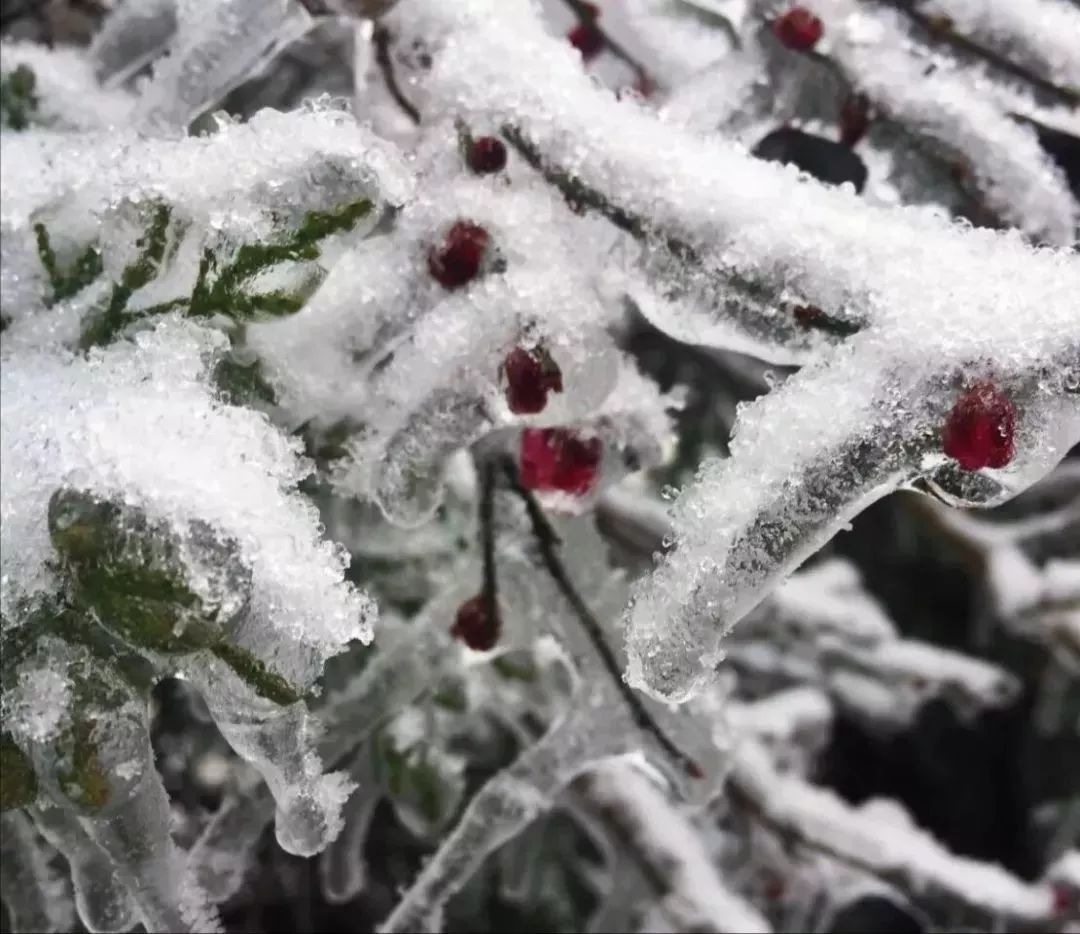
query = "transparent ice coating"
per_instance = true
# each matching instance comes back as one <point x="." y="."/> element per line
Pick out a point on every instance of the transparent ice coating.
<point x="794" y="481"/>
<point x="36" y="896"/>
<point x="134" y="33"/>
<point x="102" y="900"/>
<point x="214" y="48"/>
<point x="279" y="741"/>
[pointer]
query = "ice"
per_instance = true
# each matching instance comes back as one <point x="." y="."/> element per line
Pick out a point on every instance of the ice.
<point x="211" y="52"/>
<point x="134" y="33"/>
<point x="36" y="897"/>
<point x="102" y="900"/>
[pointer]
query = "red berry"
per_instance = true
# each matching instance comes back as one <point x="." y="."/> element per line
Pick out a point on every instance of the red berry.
<point x="474" y="627"/>
<point x="980" y="429"/>
<point x="557" y="459"/>
<point x="854" y="119"/>
<point x="458" y="258"/>
<point x="487" y="155"/>
<point x="798" y="29"/>
<point x="587" y="39"/>
<point x="530" y="376"/>
<point x="1063" y="898"/>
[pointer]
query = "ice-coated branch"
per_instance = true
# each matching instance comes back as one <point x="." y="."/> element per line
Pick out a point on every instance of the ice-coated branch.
<point x="888" y="847"/>
<point x="659" y="833"/>
<point x="502" y="808"/>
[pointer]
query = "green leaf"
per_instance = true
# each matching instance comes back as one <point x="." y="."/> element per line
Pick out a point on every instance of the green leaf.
<point x="86" y="268"/>
<point x="18" y="102"/>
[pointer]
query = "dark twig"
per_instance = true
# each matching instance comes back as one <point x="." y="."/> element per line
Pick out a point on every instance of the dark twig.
<point x="547" y="542"/>
<point x="587" y="18"/>
<point x="487" y="538"/>
<point x="381" y="39"/>
<point x="578" y="193"/>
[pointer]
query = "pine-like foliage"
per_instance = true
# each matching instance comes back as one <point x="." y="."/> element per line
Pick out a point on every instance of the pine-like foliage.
<point x="350" y="351"/>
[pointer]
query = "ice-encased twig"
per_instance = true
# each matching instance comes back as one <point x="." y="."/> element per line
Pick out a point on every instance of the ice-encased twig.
<point x="781" y="234"/>
<point x="501" y="808"/>
<point x="792" y="481"/>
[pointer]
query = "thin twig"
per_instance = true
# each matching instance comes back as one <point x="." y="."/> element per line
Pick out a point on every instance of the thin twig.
<point x="487" y="539"/>
<point x="587" y="18"/>
<point x="381" y="39"/>
<point x="547" y="542"/>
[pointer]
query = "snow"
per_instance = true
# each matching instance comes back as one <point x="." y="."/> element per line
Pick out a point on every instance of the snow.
<point x="138" y="422"/>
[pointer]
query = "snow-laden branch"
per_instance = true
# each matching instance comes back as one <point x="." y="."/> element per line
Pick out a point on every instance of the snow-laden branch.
<point x="880" y="839"/>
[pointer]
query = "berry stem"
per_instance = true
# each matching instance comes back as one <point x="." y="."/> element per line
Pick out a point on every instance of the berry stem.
<point x="381" y="39"/>
<point x="487" y="538"/>
<point x="586" y="16"/>
<point x="548" y="542"/>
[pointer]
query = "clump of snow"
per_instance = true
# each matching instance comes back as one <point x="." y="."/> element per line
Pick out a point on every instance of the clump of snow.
<point x="139" y="423"/>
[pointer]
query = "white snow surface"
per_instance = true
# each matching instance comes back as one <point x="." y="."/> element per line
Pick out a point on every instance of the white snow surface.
<point x="138" y="423"/>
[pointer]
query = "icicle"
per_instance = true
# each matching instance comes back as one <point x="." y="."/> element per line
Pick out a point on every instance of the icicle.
<point x="500" y="809"/>
<point x="102" y="900"/>
<point x="279" y="741"/>
<point x="210" y="55"/>
<point x="35" y="896"/>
